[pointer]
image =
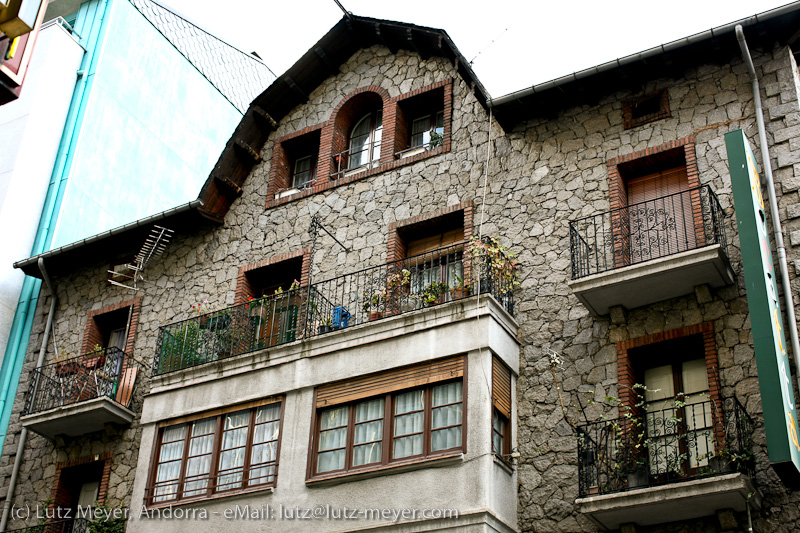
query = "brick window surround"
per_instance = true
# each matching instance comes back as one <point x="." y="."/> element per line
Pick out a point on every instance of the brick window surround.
<point x="619" y="166"/>
<point x="93" y="334"/>
<point x="396" y="243"/>
<point x="60" y="496"/>
<point x="645" y="109"/>
<point x="626" y="367"/>
<point x="334" y="137"/>
<point x="245" y="290"/>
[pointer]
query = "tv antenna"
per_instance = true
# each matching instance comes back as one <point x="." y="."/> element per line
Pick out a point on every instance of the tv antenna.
<point x="487" y="46"/>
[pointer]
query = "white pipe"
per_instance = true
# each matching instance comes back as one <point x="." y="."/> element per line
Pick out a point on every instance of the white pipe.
<point x="773" y="204"/>
<point x="23" y="436"/>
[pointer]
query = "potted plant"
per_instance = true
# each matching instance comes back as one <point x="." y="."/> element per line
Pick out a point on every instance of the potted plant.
<point x="431" y="293"/>
<point x="326" y="326"/>
<point x="461" y="290"/>
<point x="374" y="304"/>
<point x="498" y="267"/>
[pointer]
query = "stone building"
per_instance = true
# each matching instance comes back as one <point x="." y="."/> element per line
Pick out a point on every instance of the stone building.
<point x="320" y="334"/>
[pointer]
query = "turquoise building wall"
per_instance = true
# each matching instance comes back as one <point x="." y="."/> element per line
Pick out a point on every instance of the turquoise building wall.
<point x="143" y="132"/>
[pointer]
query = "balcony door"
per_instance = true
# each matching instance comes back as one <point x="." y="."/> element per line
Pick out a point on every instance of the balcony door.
<point x="660" y="216"/>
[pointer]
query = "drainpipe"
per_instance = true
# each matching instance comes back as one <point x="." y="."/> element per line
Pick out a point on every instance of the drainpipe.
<point x="23" y="436"/>
<point x="773" y="203"/>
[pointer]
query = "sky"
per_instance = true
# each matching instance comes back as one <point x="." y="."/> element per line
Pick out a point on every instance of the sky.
<point x="513" y="44"/>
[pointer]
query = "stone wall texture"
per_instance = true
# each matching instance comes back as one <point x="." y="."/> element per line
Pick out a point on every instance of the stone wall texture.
<point x="541" y="175"/>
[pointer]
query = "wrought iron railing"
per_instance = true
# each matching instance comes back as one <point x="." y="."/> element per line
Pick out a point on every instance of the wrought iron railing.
<point x="72" y="525"/>
<point x="689" y="440"/>
<point x="645" y="231"/>
<point x="432" y="278"/>
<point x="364" y="158"/>
<point x="108" y="372"/>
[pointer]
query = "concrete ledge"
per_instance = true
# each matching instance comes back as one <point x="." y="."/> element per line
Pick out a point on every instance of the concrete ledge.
<point x="654" y="281"/>
<point x="668" y="503"/>
<point x="79" y="418"/>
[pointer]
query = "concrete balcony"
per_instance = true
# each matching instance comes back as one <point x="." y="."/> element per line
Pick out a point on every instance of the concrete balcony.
<point x="81" y="395"/>
<point x="649" y="252"/>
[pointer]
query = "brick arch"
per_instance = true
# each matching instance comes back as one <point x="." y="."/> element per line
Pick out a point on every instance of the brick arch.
<point x="336" y="131"/>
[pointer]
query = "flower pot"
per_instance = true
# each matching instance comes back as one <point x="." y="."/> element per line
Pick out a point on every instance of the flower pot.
<point x="638" y="479"/>
<point x="458" y="292"/>
<point x="593" y="490"/>
<point x="721" y="465"/>
<point x="375" y="315"/>
<point x="324" y="329"/>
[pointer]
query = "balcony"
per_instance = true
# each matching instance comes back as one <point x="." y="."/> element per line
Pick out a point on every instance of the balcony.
<point x="357" y="298"/>
<point x="80" y="395"/>
<point x="649" y="252"/>
<point x="683" y="462"/>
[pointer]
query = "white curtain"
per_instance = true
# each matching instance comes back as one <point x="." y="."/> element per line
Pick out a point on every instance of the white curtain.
<point x="333" y="437"/>
<point x="232" y="451"/>
<point x="265" y="444"/>
<point x="446" y="413"/>
<point x="408" y="420"/>
<point x="199" y="463"/>
<point x="367" y="446"/>
<point x="169" y="467"/>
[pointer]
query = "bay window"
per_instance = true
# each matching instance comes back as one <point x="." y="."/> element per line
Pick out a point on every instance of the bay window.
<point x="228" y="451"/>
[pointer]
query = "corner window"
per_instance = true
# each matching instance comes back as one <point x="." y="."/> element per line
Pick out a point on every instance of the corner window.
<point x="394" y="424"/>
<point x="501" y="408"/>
<point x="365" y="140"/>
<point x="227" y="452"/>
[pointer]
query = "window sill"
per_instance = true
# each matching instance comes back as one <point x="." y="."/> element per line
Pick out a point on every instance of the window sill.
<point x="398" y="468"/>
<point x="503" y="464"/>
<point x="221" y="496"/>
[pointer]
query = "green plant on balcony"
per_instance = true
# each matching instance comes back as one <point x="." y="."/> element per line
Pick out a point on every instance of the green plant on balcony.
<point x="431" y="292"/>
<point x="495" y="262"/>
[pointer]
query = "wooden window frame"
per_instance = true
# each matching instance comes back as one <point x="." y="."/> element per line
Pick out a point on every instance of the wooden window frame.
<point x="212" y="491"/>
<point x="501" y="405"/>
<point x="505" y="436"/>
<point x="387" y="440"/>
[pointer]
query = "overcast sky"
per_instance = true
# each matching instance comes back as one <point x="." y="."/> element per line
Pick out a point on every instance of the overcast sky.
<point x="514" y="43"/>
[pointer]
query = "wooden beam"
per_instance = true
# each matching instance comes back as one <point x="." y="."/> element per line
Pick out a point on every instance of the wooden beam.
<point x="228" y="184"/>
<point x="265" y="122"/>
<point x="329" y="65"/>
<point x="245" y="150"/>
<point x="293" y="86"/>
<point x="413" y="44"/>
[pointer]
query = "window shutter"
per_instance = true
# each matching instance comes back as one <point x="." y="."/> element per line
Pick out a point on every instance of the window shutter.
<point x="386" y="382"/>
<point x="440" y="240"/>
<point x="658" y="185"/>
<point x="501" y="387"/>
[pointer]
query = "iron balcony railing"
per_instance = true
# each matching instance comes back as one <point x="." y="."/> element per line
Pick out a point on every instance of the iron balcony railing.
<point x="645" y="231"/>
<point x="432" y="278"/>
<point x="689" y="440"/>
<point x="72" y="525"/>
<point x="108" y="372"/>
<point x="364" y="158"/>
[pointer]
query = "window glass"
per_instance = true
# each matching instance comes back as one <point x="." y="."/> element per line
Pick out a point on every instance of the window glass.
<point x="368" y="432"/>
<point x="264" y="453"/>
<point x="169" y="463"/>
<point x="408" y="424"/>
<point x="498" y="432"/>
<point x="303" y="171"/>
<point x="365" y="140"/>
<point x="332" y="439"/>
<point x="447" y="416"/>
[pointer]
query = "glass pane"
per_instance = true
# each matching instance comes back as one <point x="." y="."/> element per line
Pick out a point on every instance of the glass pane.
<point x="659" y="383"/>
<point x="446" y="416"/>
<point x="266" y="432"/>
<point x="201" y="445"/>
<point x="237" y="419"/>
<point x="331" y="418"/>
<point x="695" y="377"/>
<point x="264" y="474"/>
<point x="497" y="443"/>
<point x="407" y="446"/>
<point x="171" y="451"/>
<point x="367" y="453"/>
<point x="268" y="413"/>
<point x="448" y="393"/>
<point x="174" y="433"/>
<point x="368" y="432"/>
<point x="327" y="461"/>
<point x="409" y="401"/>
<point x="263" y="453"/>
<point x="370" y="410"/>
<point x="234" y="438"/>
<point x="332" y="439"/>
<point x="408" y="424"/>
<point x="444" y="439"/>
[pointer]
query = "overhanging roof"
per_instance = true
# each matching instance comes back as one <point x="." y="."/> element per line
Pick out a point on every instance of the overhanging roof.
<point x="717" y="45"/>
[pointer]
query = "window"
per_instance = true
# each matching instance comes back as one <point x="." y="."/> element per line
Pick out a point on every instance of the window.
<point x="303" y="173"/>
<point x="365" y="140"/>
<point x="501" y="408"/>
<point x="679" y="413"/>
<point x="427" y="130"/>
<point x="226" y="452"/>
<point x="386" y="422"/>
<point x="645" y="109"/>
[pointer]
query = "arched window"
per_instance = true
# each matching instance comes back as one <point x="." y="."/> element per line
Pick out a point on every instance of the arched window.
<point x="365" y="140"/>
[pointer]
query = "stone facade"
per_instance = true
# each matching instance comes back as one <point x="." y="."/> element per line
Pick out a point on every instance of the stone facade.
<point x="541" y="175"/>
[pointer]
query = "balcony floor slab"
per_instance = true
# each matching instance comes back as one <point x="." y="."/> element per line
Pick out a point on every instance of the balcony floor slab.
<point x="678" y="501"/>
<point x="79" y="418"/>
<point x="654" y="281"/>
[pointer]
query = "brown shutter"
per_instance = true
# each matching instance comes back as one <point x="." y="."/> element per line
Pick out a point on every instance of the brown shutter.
<point x="386" y="382"/>
<point x="440" y="240"/>
<point x="657" y="185"/>
<point x="501" y="387"/>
